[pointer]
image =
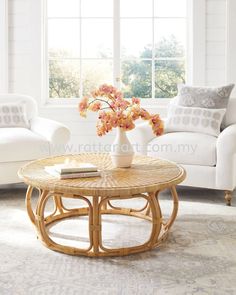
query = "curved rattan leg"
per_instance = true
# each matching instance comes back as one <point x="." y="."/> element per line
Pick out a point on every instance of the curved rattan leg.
<point x="156" y="218"/>
<point x="40" y="218"/>
<point x="96" y="225"/>
<point x="28" y="204"/>
<point x="175" y="208"/>
<point x="42" y="232"/>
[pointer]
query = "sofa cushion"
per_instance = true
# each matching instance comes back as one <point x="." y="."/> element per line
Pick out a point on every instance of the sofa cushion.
<point x="185" y="148"/>
<point x="204" y="97"/>
<point x="30" y="103"/>
<point x="13" y="115"/>
<point x="20" y="144"/>
<point x="190" y="119"/>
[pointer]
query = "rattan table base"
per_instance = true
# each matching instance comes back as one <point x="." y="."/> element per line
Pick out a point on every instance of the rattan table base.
<point x="145" y="178"/>
<point x="96" y="206"/>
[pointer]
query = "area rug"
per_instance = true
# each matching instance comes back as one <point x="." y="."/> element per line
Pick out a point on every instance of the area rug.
<point x="199" y="256"/>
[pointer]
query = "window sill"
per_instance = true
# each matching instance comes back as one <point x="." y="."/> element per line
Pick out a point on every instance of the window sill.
<point x="73" y="103"/>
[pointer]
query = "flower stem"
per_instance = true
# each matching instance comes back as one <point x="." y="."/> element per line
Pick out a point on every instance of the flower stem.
<point x="99" y="99"/>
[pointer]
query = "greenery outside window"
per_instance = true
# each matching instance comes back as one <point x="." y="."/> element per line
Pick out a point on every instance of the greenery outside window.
<point x="138" y="45"/>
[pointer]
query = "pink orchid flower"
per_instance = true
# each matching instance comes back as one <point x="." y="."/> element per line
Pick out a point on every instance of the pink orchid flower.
<point x="115" y="111"/>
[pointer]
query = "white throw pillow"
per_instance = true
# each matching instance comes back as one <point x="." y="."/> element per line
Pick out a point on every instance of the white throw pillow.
<point x="13" y="115"/>
<point x="187" y="119"/>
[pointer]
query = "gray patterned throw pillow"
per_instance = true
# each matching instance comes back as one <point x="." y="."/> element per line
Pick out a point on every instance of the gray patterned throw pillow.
<point x="13" y="115"/>
<point x="204" y="97"/>
<point x="188" y="119"/>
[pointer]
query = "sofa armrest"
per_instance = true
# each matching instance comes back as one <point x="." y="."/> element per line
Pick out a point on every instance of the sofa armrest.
<point x="140" y="137"/>
<point x="54" y="132"/>
<point x="226" y="151"/>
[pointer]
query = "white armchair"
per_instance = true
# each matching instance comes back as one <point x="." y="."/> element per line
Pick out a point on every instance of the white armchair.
<point x="210" y="162"/>
<point x="18" y="146"/>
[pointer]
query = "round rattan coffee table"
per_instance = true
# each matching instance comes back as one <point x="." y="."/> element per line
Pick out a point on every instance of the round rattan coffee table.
<point x="145" y="179"/>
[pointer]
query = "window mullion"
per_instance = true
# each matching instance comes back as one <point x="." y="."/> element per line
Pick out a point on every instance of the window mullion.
<point x="46" y="53"/>
<point x="153" y="52"/>
<point x="116" y="43"/>
<point x="80" y="52"/>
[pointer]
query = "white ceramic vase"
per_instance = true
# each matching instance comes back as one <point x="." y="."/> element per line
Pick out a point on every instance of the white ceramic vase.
<point x="121" y="150"/>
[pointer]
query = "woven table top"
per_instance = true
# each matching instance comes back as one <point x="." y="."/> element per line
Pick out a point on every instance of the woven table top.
<point x="145" y="175"/>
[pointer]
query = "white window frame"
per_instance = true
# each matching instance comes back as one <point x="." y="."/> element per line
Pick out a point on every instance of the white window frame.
<point x="4" y="46"/>
<point x="195" y="57"/>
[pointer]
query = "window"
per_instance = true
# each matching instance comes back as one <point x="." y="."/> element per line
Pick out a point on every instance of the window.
<point x="137" y="45"/>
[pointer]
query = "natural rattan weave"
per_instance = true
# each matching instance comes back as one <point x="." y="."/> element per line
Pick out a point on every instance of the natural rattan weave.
<point x="146" y="177"/>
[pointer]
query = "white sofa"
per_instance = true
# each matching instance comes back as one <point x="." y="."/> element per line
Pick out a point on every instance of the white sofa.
<point x="210" y="162"/>
<point x="20" y="145"/>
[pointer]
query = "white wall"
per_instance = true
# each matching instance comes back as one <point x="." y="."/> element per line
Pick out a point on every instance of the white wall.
<point x="215" y="42"/>
<point x="3" y="46"/>
<point x="231" y="43"/>
<point x="24" y="77"/>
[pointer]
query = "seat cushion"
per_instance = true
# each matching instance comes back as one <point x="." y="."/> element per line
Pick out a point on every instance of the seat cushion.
<point x="185" y="148"/>
<point x="21" y="144"/>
